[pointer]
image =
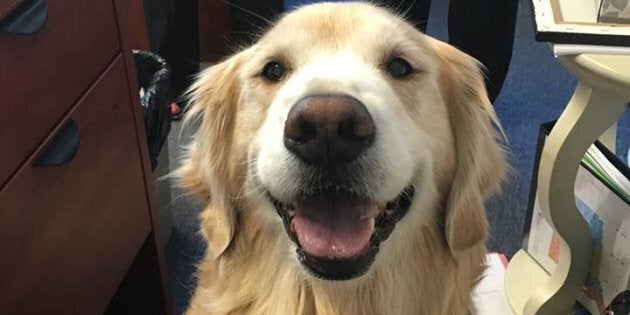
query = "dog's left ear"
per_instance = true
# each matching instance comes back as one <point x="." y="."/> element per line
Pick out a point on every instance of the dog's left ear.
<point x="480" y="158"/>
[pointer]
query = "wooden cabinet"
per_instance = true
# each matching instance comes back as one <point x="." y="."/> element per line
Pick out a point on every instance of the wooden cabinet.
<point x="7" y="6"/>
<point x="44" y="74"/>
<point x="71" y="231"/>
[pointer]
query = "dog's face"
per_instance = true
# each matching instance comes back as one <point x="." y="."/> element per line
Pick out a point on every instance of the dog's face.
<point x="347" y="127"/>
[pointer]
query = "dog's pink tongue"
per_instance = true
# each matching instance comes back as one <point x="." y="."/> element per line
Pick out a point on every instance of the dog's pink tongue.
<point x="334" y="225"/>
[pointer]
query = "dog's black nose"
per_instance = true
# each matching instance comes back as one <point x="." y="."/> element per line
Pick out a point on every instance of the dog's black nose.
<point x="328" y="129"/>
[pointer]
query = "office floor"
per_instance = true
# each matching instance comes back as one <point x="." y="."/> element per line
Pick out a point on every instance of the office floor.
<point x="536" y="91"/>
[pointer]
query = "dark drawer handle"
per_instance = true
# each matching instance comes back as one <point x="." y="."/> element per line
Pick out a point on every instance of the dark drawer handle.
<point x="28" y="19"/>
<point x="62" y="148"/>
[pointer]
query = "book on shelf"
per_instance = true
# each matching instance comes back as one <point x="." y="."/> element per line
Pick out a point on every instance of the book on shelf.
<point x="602" y="195"/>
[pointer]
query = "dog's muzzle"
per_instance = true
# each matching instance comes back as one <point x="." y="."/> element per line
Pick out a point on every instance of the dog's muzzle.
<point x="336" y="227"/>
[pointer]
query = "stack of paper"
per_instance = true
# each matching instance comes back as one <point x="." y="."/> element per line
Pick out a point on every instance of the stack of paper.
<point x="602" y="195"/>
<point x="489" y="295"/>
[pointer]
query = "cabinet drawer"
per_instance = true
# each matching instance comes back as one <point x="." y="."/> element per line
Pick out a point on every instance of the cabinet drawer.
<point x="6" y="6"/>
<point x="42" y="75"/>
<point x="69" y="232"/>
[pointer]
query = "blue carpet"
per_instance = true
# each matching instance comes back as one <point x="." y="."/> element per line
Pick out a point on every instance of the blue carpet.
<point x="536" y="91"/>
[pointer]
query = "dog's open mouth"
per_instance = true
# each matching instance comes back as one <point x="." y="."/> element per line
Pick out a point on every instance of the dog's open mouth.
<point x="337" y="232"/>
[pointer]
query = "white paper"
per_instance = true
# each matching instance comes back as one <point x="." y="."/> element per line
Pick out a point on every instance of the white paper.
<point x="489" y="294"/>
<point x="583" y="11"/>
<point x="609" y="219"/>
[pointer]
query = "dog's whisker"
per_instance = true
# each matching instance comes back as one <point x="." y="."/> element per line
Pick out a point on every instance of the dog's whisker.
<point x="251" y="34"/>
<point x="406" y="11"/>
<point x="194" y="257"/>
<point x="262" y="18"/>
<point x="183" y="195"/>
<point x="273" y="10"/>
<point x="256" y="191"/>
<point x="250" y="161"/>
<point x="182" y="284"/>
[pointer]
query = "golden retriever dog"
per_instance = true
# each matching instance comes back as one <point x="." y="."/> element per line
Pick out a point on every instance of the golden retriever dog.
<point x="343" y="160"/>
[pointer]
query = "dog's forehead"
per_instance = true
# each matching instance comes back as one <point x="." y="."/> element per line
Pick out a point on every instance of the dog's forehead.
<point x="334" y="25"/>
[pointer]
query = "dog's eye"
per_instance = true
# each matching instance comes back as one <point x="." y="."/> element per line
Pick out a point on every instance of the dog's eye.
<point x="273" y="71"/>
<point x="399" y="68"/>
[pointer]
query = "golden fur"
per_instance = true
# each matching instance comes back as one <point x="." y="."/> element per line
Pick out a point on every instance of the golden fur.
<point x="432" y="260"/>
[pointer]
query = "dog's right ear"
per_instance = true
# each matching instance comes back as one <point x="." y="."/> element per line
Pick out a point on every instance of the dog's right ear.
<point x="208" y="170"/>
